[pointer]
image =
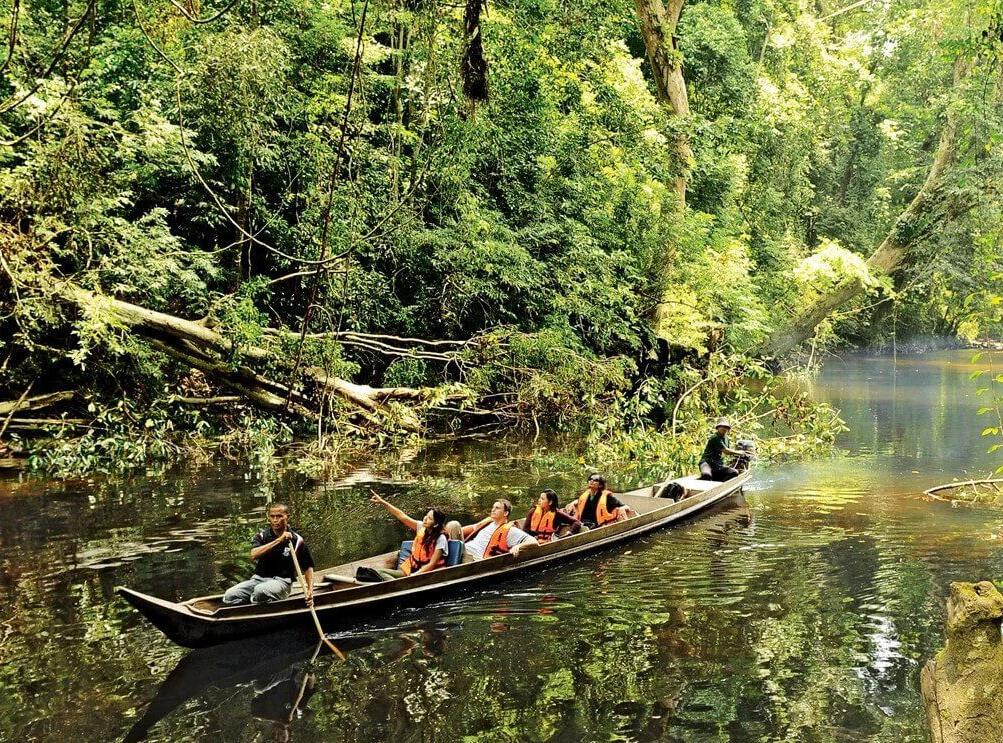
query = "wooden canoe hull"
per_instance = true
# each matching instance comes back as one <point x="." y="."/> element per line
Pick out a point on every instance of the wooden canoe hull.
<point x="353" y="606"/>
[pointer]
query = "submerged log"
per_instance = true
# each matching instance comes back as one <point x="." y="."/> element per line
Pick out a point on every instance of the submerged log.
<point x="963" y="685"/>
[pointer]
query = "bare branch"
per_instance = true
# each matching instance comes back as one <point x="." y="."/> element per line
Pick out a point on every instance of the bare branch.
<point x="202" y="21"/>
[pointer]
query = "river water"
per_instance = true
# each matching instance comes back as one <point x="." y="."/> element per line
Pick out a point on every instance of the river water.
<point x="801" y="612"/>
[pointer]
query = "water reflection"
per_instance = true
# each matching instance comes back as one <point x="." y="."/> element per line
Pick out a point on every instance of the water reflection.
<point x="800" y="614"/>
<point x="271" y="665"/>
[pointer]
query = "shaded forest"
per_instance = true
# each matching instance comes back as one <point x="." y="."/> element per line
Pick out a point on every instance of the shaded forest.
<point x="356" y="223"/>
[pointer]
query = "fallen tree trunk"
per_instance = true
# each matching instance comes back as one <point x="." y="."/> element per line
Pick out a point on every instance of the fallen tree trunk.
<point x="207" y="350"/>
<point x="36" y="403"/>
<point x="132" y="316"/>
<point x="912" y="226"/>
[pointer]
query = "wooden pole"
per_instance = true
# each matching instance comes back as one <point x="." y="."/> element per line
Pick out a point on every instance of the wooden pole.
<point x="313" y="611"/>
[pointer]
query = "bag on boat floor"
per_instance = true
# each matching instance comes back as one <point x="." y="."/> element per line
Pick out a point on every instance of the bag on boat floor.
<point x="673" y="490"/>
<point x="367" y="575"/>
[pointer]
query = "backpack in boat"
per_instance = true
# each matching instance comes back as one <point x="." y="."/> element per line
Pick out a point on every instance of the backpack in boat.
<point x="366" y="574"/>
<point x="673" y="490"/>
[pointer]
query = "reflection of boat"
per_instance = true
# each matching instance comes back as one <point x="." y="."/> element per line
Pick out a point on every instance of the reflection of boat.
<point x="238" y="663"/>
<point x="206" y="621"/>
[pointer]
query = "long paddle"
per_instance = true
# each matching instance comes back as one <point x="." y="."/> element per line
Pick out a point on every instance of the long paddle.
<point x="313" y="611"/>
<point x="306" y="678"/>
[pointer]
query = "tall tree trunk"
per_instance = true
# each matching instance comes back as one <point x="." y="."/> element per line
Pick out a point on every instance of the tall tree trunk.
<point x="474" y="66"/>
<point x="658" y="27"/>
<point x="911" y="227"/>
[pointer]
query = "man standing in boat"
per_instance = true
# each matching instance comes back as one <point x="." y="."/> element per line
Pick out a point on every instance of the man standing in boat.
<point x="597" y="506"/>
<point x="712" y="466"/>
<point x="274" y="570"/>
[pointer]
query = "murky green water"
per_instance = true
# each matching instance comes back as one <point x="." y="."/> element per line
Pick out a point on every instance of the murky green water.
<point x="801" y="613"/>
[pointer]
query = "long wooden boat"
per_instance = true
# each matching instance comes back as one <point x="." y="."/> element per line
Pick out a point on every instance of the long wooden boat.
<point x="341" y="602"/>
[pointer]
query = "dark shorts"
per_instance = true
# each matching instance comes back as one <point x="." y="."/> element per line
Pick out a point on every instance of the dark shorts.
<point x="716" y="473"/>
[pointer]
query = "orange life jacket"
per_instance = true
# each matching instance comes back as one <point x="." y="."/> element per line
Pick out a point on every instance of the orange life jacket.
<point x="542" y="524"/>
<point x="421" y="554"/>
<point x="603" y="516"/>
<point x="499" y="540"/>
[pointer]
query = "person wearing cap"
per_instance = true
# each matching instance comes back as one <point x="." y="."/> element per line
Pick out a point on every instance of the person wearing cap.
<point x="712" y="466"/>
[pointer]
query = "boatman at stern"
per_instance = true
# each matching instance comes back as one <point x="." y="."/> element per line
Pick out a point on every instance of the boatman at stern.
<point x="274" y="571"/>
<point x="712" y="466"/>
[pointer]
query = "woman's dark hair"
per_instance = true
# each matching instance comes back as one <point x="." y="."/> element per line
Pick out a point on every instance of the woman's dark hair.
<point x="438" y="524"/>
<point x="552" y="499"/>
<point x="596" y="477"/>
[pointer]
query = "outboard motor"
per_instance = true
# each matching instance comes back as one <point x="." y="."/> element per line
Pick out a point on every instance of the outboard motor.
<point x="748" y="449"/>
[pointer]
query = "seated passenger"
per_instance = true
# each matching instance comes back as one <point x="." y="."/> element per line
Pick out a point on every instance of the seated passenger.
<point x="545" y="518"/>
<point x="274" y="571"/>
<point x="429" y="548"/>
<point x="493" y="535"/>
<point x="597" y="506"/>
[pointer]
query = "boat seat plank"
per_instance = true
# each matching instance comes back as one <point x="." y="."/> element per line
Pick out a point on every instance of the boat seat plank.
<point x="695" y="484"/>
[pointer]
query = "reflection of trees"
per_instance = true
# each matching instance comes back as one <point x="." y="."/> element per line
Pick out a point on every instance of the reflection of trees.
<point x="693" y="636"/>
<point x="913" y="410"/>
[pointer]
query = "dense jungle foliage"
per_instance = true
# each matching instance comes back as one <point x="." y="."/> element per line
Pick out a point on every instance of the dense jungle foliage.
<point x="367" y="219"/>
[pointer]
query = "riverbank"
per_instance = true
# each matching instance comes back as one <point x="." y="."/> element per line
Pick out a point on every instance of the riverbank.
<point x="661" y="418"/>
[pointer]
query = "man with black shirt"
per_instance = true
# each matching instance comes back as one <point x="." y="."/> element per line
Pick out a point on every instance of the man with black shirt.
<point x="712" y="466"/>
<point x="274" y="572"/>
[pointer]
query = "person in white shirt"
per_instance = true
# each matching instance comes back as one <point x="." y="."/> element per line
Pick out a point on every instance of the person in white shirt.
<point x="493" y="535"/>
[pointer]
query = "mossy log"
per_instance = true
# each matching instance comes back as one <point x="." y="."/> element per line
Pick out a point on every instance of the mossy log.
<point x="35" y="403"/>
<point x="963" y="685"/>
<point x="204" y="348"/>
